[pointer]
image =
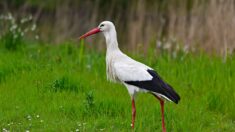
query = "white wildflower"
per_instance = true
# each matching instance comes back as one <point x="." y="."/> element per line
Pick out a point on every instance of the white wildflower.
<point x="30" y="17"/>
<point x="159" y="44"/>
<point x="79" y="124"/>
<point x="88" y="66"/>
<point x="177" y="47"/>
<point x="231" y="50"/>
<point x="22" y="34"/>
<point x="23" y="20"/>
<point x="33" y="27"/>
<point x="5" y="130"/>
<point x="13" y="27"/>
<point x="10" y="16"/>
<point x="167" y="46"/>
<point x="186" y="49"/>
<point x="29" y="117"/>
<point x="36" y="37"/>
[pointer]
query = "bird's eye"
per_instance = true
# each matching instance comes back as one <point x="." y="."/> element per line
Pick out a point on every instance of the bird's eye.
<point x="101" y="25"/>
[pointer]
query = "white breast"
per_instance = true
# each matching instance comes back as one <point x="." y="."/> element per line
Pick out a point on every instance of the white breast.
<point x="110" y="72"/>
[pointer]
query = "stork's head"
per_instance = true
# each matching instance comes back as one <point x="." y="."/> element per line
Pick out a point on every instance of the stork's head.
<point x="104" y="27"/>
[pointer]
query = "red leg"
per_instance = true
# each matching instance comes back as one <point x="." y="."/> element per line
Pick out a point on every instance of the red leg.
<point x="133" y="114"/>
<point x="162" y="109"/>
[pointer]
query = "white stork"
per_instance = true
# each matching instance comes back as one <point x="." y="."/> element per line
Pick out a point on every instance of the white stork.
<point x="137" y="77"/>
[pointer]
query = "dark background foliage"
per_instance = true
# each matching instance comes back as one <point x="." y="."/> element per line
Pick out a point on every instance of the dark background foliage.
<point x="196" y="24"/>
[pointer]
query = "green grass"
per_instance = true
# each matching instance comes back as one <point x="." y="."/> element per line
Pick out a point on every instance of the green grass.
<point x="64" y="88"/>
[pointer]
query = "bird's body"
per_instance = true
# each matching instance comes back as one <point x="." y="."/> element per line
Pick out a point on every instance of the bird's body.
<point x="121" y="68"/>
<point x="136" y="76"/>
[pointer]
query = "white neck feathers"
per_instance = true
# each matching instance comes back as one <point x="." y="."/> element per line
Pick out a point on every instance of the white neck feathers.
<point x="111" y="40"/>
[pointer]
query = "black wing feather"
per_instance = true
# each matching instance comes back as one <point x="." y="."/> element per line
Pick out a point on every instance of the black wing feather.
<point x="157" y="85"/>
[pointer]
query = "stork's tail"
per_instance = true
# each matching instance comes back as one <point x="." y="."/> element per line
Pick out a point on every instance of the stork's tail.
<point x="171" y="94"/>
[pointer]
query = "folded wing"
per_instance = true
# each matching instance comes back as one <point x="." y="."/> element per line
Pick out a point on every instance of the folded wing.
<point x="140" y="75"/>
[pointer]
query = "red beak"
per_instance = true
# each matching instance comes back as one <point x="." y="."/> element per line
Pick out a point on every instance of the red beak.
<point x="93" y="31"/>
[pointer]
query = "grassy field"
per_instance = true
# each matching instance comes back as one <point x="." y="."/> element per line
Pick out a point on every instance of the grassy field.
<point x="64" y="88"/>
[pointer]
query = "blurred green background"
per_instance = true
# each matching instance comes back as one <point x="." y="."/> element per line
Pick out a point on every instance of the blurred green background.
<point x="195" y="24"/>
